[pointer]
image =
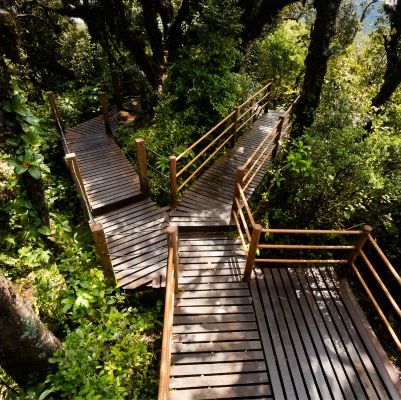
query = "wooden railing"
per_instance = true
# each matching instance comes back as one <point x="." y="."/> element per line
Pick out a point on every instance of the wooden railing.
<point x="252" y="237"/>
<point x="375" y="250"/>
<point x="207" y="147"/>
<point x="268" y="148"/>
<point x="171" y="288"/>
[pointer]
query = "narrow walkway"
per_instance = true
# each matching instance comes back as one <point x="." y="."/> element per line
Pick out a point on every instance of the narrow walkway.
<point x="134" y="226"/>
<point x="217" y="350"/>
<point x="289" y="334"/>
<point x="209" y="200"/>
<point x="108" y="176"/>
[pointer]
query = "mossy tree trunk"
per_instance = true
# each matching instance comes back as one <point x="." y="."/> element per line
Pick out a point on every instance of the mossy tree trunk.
<point x="319" y="52"/>
<point x="392" y="45"/>
<point x="25" y="342"/>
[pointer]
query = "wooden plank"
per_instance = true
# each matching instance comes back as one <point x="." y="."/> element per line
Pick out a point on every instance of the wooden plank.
<point x="216" y="346"/>
<point x="212" y="318"/>
<point x="220" y="380"/>
<point x="315" y="369"/>
<point x="218" y="368"/>
<point x="194" y="358"/>
<point x="269" y="352"/>
<point x="227" y="392"/>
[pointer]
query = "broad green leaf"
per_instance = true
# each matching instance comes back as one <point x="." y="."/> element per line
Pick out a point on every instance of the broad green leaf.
<point x="44" y="230"/>
<point x="34" y="172"/>
<point x="20" y="169"/>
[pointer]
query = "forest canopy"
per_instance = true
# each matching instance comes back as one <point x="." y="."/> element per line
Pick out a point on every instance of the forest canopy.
<point x="181" y="67"/>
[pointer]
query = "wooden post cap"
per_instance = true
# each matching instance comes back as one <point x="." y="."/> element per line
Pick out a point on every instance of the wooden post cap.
<point x="96" y="227"/>
<point x="69" y="156"/>
<point x="172" y="158"/>
<point x="257" y="228"/>
<point x="139" y="140"/>
<point x="367" y="228"/>
<point x="171" y="229"/>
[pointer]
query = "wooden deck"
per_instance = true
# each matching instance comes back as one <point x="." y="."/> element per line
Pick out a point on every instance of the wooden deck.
<point x="290" y="333"/>
<point x="315" y="343"/>
<point x="107" y="174"/>
<point x="134" y="226"/>
<point x="209" y="200"/>
<point x="217" y="348"/>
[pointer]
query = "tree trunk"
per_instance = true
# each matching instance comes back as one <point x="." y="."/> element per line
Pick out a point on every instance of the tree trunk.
<point x="390" y="84"/>
<point x="25" y="342"/>
<point x="316" y="61"/>
<point x="392" y="45"/>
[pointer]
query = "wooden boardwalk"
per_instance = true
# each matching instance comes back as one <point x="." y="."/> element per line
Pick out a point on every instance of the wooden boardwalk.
<point x="315" y="343"/>
<point x="209" y="200"/>
<point x="108" y="176"/>
<point x="133" y="225"/>
<point x="217" y="348"/>
<point x="290" y="333"/>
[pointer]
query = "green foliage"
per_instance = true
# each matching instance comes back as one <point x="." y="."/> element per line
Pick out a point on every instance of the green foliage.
<point x="107" y="360"/>
<point x="278" y="57"/>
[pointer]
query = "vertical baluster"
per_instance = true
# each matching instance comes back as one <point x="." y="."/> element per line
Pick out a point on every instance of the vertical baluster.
<point x="104" y="105"/>
<point x="142" y="166"/>
<point x="173" y="181"/>
<point x="253" y="247"/>
<point x="359" y="243"/>
<point x="278" y="137"/>
<point x="117" y="92"/>
<point x="103" y="252"/>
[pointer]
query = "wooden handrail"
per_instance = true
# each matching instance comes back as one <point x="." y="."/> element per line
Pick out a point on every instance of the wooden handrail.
<point x="377" y="306"/>
<point x="263" y="142"/>
<point x="75" y="172"/>
<point x="380" y="283"/>
<point x="204" y="163"/>
<point x="313" y="231"/>
<point x="171" y="288"/>
<point x="193" y="145"/>
<point x="186" y="166"/>
<point x="305" y="247"/>
<point x="385" y="259"/>
<point x="255" y="94"/>
<point x="235" y="116"/>
<point x="299" y="261"/>
<point x="246" y="205"/>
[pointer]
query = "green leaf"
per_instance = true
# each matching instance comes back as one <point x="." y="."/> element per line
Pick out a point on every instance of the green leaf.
<point x="34" y="172"/>
<point x="20" y="169"/>
<point x="44" y="230"/>
<point x="46" y="393"/>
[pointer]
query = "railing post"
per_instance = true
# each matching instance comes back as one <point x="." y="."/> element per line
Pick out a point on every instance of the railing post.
<point x="142" y="166"/>
<point x="103" y="252"/>
<point x="239" y="180"/>
<point x="104" y="105"/>
<point x="172" y="161"/>
<point x="266" y="106"/>
<point x="172" y="233"/>
<point x="235" y="126"/>
<point x="116" y="84"/>
<point x="55" y="111"/>
<point x="278" y="137"/>
<point x="73" y="167"/>
<point x="359" y="243"/>
<point x="253" y="247"/>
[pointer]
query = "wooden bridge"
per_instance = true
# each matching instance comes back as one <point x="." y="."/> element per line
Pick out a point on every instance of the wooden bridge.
<point x="241" y="320"/>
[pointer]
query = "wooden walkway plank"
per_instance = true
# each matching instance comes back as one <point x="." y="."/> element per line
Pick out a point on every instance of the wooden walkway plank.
<point x="216" y="341"/>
